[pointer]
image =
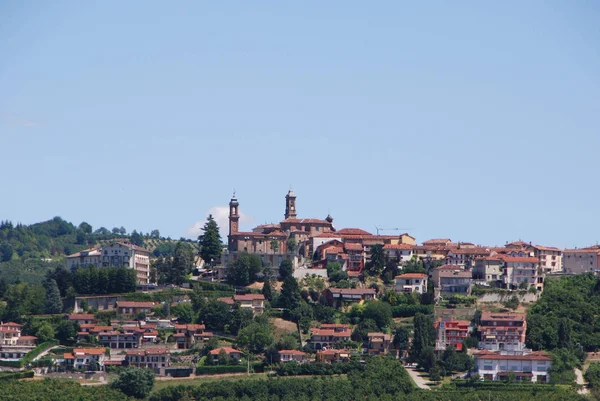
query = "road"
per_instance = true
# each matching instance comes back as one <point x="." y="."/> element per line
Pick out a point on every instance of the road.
<point x="419" y="381"/>
<point x="42" y="354"/>
<point x="579" y="380"/>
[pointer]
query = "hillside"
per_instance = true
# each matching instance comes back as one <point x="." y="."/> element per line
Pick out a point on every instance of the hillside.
<point x="27" y="252"/>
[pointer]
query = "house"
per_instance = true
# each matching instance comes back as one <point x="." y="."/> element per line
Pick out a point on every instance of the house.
<point x="378" y="343"/>
<point x="233" y="353"/>
<point x="27" y="341"/>
<point x="522" y="272"/>
<point x="81" y="358"/>
<point x="82" y="318"/>
<point x="502" y="331"/>
<point x="579" y="261"/>
<point x="439" y="242"/>
<point x="465" y="257"/>
<point x="527" y="367"/>
<point x="455" y="282"/>
<point x="329" y="335"/>
<point x="10" y="333"/>
<point x="450" y="332"/>
<point x="254" y="302"/>
<point x="186" y="335"/>
<point x="333" y="355"/>
<point x="156" y="359"/>
<point x="338" y="297"/>
<point x="120" y="340"/>
<point x="115" y="254"/>
<point x="133" y="308"/>
<point x="411" y="282"/>
<point x="488" y="269"/>
<point x="289" y="355"/>
<point x="399" y="253"/>
<point x="434" y="274"/>
<point x="549" y="258"/>
<point x="356" y="256"/>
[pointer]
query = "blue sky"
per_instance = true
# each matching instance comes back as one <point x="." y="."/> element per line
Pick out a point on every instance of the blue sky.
<point x="477" y="120"/>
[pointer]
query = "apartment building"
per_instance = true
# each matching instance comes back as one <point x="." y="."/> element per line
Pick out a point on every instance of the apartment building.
<point x="502" y="331"/>
<point x="378" y="343"/>
<point x="455" y="282"/>
<point x="186" y="335"/>
<point x="488" y="269"/>
<point x="115" y="254"/>
<point x="156" y="359"/>
<point x="549" y="258"/>
<point x="465" y="257"/>
<point x="83" y="358"/>
<point x="450" y="332"/>
<point x="522" y="271"/>
<point x="120" y="340"/>
<point x="411" y="282"/>
<point x="329" y="336"/>
<point x="526" y="367"/>
<point x="584" y="260"/>
<point x="400" y="253"/>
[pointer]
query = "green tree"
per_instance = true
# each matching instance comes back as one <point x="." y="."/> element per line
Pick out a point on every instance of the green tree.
<point x="53" y="301"/>
<point x="401" y="338"/>
<point x="155" y="234"/>
<point x="136" y="238"/>
<point x="244" y="269"/>
<point x="223" y="358"/>
<point x="291" y="245"/>
<point x="290" y="294"/>
<point x="286" y="268"/>
<point x="210" y="241"/>
<point x="267" y="290"/>
<point x="45" y="333"/>
<point x="423" y="337"/>
<point x="512" y="303"/>
<point x="135" y="382"/>
<point x="181" y="266"/>
<point x="255" y="337"/>
<point x="377" y="262"/>
<point x="184" y="312"/>
<point x="381" y="376"/>
<point x="3" y="286"/>
<point x="6" y="252"/>
<point x="85" y="227"/>
<point x="380" y="312"/>
<point x="122" y="230"/>
<point x="274" y="245"/>
<point x="93" y="366"/>
<point x="66" y="332"/>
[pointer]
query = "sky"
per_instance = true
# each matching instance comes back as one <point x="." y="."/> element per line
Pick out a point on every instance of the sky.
<point x="472" y="120"/>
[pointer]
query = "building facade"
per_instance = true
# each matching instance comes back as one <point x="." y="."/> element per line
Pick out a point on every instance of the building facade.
<point x="411" y="282"/>
<point x="527" y="367"/>
<point x="502" y="331"/>
<point x="115" y="254"/>
<point x="450" y="333"/>
<point x="584" y="260"/>
<point x="156" y="359"/>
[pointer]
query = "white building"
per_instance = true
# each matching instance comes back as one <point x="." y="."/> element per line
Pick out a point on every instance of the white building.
<point x="529" y="367"/>
<point x="550" y="258"/>
<point x="520" y="271"/>
<point x="411" y="282"/>
<point x="401" y="253"/>
<point x="81" y="358"/>
<point x="115" y="254"/>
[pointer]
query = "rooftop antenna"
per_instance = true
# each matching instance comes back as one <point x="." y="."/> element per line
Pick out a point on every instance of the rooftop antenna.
<point x="392" y="229"/>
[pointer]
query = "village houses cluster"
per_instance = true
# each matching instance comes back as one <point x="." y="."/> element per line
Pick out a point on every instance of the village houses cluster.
<point x="311" y="244"/>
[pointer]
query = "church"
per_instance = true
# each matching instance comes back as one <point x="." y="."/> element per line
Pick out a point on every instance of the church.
<point x="309" y="242"/>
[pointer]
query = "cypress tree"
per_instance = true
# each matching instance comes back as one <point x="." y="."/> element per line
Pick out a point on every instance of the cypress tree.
<point x="210" y="241"/>
<point x="53" y="301"/>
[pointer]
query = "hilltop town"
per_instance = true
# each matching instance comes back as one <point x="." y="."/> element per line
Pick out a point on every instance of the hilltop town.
<point x="296" y="298"/>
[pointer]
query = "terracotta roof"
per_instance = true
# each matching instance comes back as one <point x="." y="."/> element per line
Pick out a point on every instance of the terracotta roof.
<point x="334" y="326"/>
<point x="398" y="246"/>
<point x="545" y="248"/>
<point x="331" y="234"/>
<point x="520" y="259"/>
<point x="68" y="355"/>
<point x="228" y="350"/>
<point x="81" y="316"/>
<point x="352" y="231"/>
<point x="471" y="251"/>
<point x="411" y="275"/>
<point x="101" y="328"/>
<point x="133" y="247"/>
<point x="352" y="291"/>
<point x="11" y="324"/>
<point x="275" y="234"/>
<point x="291" y="352"/>
<point x="249" y="297"/>
<point x="134" y="304"/>
<point x="267" y="226"/>
<point x="333" y="352"/>
<point x="27" y="338"/>
<point x="533" y="356"/>
<point x="353" y="247"/>
<point x="89" y="351"/>
<point x="459" y="274"/>
<point x="306" y="221"/>
<point x="226" y="300"/>
<point x="434" y="241"/>
<point x="330" y="332"/>
<point x="502" y="316"/>
<point x="447" y="267"/>
<point x="157" y="351"/>
<point x="582" y="250"/>
<point x="89" y="252"/>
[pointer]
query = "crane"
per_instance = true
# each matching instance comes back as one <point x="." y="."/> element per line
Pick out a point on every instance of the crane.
<point x="391" y="229"/>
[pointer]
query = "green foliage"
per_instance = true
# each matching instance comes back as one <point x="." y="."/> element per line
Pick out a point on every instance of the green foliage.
<point x="23" y="299"/>
<point x="134" y="382"/>
<point x="255" y="337"/>
<point x="592" y="375"/>
<point x="220" y="369"/>
<point x="375" y="266"/>
<point x="90" y="280"/>
<point x="290" y="294"/>
<point x="512" y="303"/>
<point x="244" y="269"/>
<point x="411" y="310"/>
<point x="184" y="312"/>
<point x="53" y="301"/>
<point x="56" y="390"/>
<point x="267" y="290"/>
<point x="423" y="340"/>
<point x="210" y="242"/>
<point x="317" y="369"/>
<point x="381" y="376"/>
<point x="286" y="269"/>
<point x="335" y="273"/>
<point x="567" y="315"/>
<point x="380" y="312"/>
<point x="45" y="332"/>
<point x="401" y="338"/>
<point x="26" y="374"/>
<point x="563" y="363"/>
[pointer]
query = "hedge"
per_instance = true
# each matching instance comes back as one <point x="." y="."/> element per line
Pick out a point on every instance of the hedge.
<point x="215" y="370"/>
<point x="12" y="364"/>
<point x="38" y="350"/>
<point x="26" y="374"/>
<point x="316" y="369"/>
<point x="411" y="310"/>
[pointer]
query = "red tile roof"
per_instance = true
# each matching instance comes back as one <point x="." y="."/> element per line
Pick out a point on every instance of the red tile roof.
<point x="398" y="246"/>
<point x="228" y="350"/>
<point x="306" y="221"/>
<point x="81" y="316"/>
<point x="11" y="324"/>
<point x="533" y="356"/>
<point x="134" y="304"/>
<point x="411" y="275"/>
<point x="520" y="259"/>
<point x="226" y="300"/>
<point x="353" y="247"/>
<point x="352" y="231"/>
<point x="89" y="351"/>
<point x="68" y="355"/>
<point x="291" y="352"/>
<point x="249" y="297"/>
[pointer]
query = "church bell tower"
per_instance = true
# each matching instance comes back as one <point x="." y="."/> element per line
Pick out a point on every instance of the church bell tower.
<point x="234" y="216"/>
<point x="290" y="205"/>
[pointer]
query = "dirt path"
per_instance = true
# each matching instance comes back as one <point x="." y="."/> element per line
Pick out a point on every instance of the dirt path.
<point x="579" y="379"/>
<point x="419" y="381"/>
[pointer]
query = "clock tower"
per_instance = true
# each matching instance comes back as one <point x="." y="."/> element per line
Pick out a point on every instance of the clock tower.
<point x="234" y="216"/>
<point x="290" y="205"/>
